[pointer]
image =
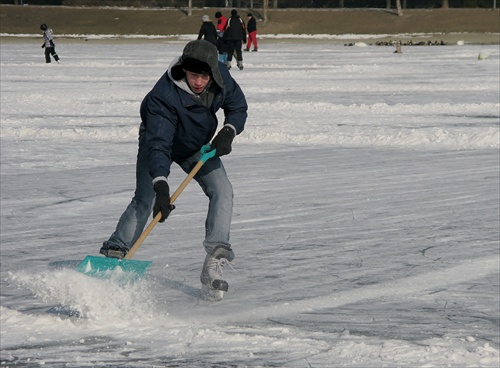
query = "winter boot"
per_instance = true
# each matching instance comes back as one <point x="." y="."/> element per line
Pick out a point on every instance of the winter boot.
<point x="255" y="49"/>
<point x="213" y="286"/>
<point x="246" y="49"/>
<point x="240" y="64"/>
<point x="112" y="251"/>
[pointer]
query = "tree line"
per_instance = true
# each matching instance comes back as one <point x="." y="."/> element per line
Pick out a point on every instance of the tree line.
<point x="271" y="4"/>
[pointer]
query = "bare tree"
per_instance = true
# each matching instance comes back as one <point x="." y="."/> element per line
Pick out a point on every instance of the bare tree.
<point x="446" y="4"/>
<point x="398" y="6"/>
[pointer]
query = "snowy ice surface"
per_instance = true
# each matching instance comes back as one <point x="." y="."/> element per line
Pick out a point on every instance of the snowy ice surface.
<point x="366" y="220"/>
<point x="280" y="36"/>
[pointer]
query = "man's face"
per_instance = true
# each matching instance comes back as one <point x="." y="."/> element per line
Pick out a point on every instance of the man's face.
<point x="197" y="81"/>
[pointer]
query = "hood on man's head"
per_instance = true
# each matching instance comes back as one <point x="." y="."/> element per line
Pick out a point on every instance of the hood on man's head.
<point x="205" y="18"/>
<point x="234" y="12"/>
<point x="199" y="56"/>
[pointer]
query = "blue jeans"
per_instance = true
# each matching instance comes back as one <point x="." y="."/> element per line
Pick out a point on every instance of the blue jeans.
<point x="212" y="179"/>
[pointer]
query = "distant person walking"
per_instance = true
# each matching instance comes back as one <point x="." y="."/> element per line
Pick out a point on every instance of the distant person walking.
<point x="222" y="49"/>
<point x="252" y="32"/>
<point x="221" y="43"/>
<point x="235" y="34"/>
<point x="48" y="44"/>
<point x="207" y="30"/>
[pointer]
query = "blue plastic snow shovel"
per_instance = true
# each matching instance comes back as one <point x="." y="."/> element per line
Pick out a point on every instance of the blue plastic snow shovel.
<point x="131" y="270"/>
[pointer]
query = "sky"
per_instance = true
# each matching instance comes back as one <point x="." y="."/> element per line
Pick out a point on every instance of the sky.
<point x="366" y="218"/>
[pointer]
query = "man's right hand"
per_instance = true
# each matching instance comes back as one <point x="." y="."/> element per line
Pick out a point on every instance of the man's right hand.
<point x="162" y="202"/>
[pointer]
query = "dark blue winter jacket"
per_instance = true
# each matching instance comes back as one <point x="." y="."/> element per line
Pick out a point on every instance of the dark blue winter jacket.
<point x="177" y="124"/>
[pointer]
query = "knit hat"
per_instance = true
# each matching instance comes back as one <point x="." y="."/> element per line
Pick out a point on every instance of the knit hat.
<point x="218" y="14"/>
<point x="199" y="56"/>
<point x="205" y="18"/>
<point x="234" y="12"/>
<point x="196" y="66"/>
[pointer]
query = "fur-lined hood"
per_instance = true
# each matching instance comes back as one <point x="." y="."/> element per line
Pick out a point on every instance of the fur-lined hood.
<point x="200" y="50"/>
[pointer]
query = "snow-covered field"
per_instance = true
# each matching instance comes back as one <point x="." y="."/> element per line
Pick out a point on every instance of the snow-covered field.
<point x="366" y="224"/>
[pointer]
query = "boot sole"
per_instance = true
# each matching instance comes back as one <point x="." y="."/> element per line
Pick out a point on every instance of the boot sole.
<point x="211" y="294"/>
<point x="113" y="253"/>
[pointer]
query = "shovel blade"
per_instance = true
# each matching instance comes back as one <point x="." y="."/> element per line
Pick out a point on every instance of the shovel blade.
<point x="113" y="268"/>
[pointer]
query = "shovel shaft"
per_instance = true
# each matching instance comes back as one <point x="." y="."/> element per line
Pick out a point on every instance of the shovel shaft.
<point x="186" y="181"/>
<point x="157" y="218"/>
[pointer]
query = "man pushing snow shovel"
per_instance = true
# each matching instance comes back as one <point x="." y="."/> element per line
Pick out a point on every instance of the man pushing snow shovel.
<point x="178" y="118"/>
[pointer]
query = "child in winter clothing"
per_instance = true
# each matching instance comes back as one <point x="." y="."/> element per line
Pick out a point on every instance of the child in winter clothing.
<point x="221" y="43"/>
<point x="48" y="44"/>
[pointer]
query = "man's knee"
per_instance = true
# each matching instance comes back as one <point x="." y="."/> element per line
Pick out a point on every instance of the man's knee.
<point x="222" y="191"/>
